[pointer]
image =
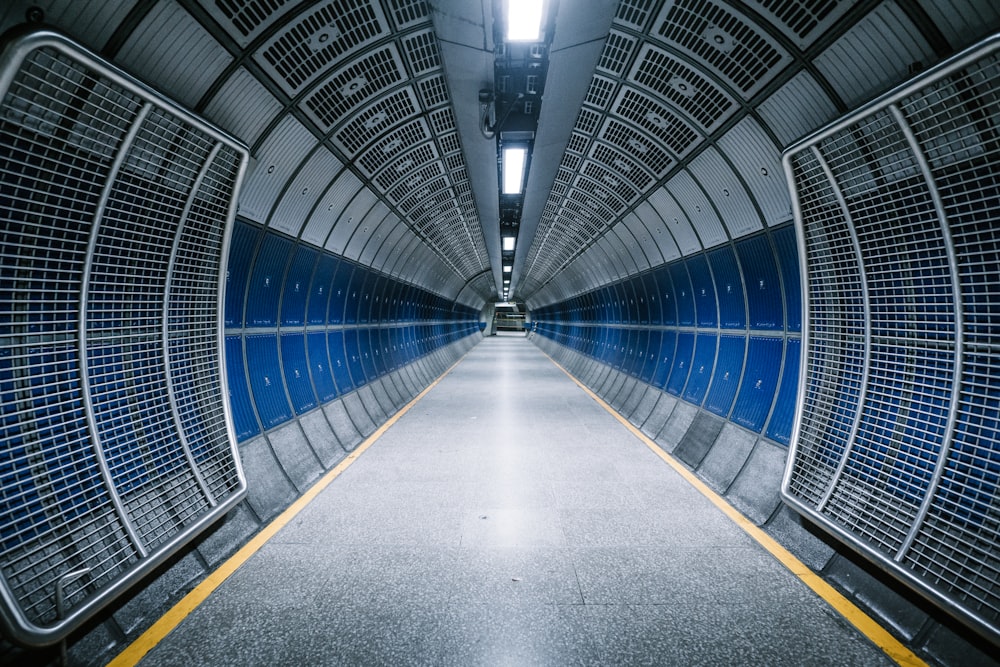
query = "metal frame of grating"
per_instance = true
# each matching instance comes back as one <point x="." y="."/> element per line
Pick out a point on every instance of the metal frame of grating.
<point x="116" y="441"/>
<point x="896" y="444"/>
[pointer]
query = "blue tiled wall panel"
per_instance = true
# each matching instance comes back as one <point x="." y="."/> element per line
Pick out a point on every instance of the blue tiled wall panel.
<point x="241" y="252"/>
<point x="668" y="300"/>
<point x="760" y="380"/>
<point x="639" y="354"/>
<point x="352" y="348"/>
<point x="763" y="286"/>
<point x="652" y="291"/>
<point x="319" y="365"/>
<point x="296" y="371"/>
<point x="244" y="419"/>
<point x="683" y="295"/>
<point x="338" y="362"/>
<point x="366" y="300"/>
<point x="701" y="368"/>
<point x="726" y="377"/>
<point x="706" y="311"/>
<point x="779" y="428"/>
<point x="319" y="289"/>
<point x="297" y="282"/>
<point x="648" y="368"/>
<point x="266" y="280"/>
<point x="729" y="287"/>
<point x="367" y="352"/>
<point x="665" y="359"/>
<point x="682" y="363"/>
<point x="788" y="262"/>
<point x="354" y="291"/>
<point x="338" y="292"/>
<point x="266" y="383"/>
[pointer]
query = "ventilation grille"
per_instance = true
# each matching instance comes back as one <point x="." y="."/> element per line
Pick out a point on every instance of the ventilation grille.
<point x="897" y="445"/>
<point x="117" y="443"/>
<point x="379" y="117"/>
<point x="806" y="19"/>
<point x="320" y="39"/>
<point x="725" y="41"/>
<point x="704" y="102"/>
<point x="657" y="120"/>
<point x="352" y="86"/>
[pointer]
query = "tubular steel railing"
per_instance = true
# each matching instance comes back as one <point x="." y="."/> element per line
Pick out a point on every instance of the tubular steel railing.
<point x="116" y="442"/>
<point x="896" y="443"/>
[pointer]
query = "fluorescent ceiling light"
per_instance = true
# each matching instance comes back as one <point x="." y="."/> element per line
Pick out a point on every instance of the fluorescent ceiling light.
<point x="524" y="20"/>
<point x="507" y="282"/>
<point x="513" y="170"/>
<point x="507" y="268"/>
<point x="508" y="243"/>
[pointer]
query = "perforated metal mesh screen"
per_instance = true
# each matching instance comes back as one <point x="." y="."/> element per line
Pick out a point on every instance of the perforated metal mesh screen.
<point x="115" y="437"/>
<point x="896" y="447"/>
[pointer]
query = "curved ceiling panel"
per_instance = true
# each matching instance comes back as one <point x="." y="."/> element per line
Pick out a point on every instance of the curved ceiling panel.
<point x="243" y="106"/>
<point x="303" y="191"/>
<point x="275" y="162"/>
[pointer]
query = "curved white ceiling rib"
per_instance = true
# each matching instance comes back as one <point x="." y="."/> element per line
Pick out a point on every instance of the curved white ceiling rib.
<point x="660" y="135"/>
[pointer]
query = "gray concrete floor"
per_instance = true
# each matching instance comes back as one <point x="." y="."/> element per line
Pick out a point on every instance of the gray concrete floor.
<point x="507" y="519"/>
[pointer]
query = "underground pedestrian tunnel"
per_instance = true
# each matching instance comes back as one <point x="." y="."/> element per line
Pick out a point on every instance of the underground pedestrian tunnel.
<point x="654" y="332"/>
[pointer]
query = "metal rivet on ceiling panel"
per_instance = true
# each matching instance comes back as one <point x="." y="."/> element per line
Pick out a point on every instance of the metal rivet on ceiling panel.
<point x="763" y="171"/>
<point x="719" y="39"/>
<point x="270" y="169"/>
<point x="320" y="39"/>
<point x="376" y="119"/>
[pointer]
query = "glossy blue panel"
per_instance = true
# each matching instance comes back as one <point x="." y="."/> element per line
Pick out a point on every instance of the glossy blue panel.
<point x="266" y="381"/>
<point x="241" y="251"/>
<point x="354" y="291"/>
<point x="319" y="290"/>
<point x="704" y="291"/>
<point x="668" y="300"/>
<point x="763" y="286"/>
<point x="639" y="352"/>
<point x="682" y="294"/>
<point x="386" y="361"/>
<point x="726" y="377"/>
<point x="701" y="368"/>
<point x="352" y="347"/>
<point x="631" y="302"/>
<point x="652" y="356"/>
<point x="366" y="300"/>
<point x="625" y="345"/>
<point x="779" y="428"/>
<point x="293" y="362"/>
<point x="729" y="286"/>
<point x="293" y="301"/>
<point x="788" y="263"/>
<point x="759" y="382"/>
<point x="367" y="353"/>
<point x="681" y="363"/>
<point x="381" y="297"/>
<point x="338" y="292"/>
<point x="338" y="362"/>
<point x="652" y="292"/>
<point x="244" y="419"/>
<point x="266" y="279"/>
<point x="319" y="364"/>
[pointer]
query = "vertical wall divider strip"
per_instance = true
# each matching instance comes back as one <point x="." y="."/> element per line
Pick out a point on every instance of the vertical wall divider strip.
<point x="88" y="399"/>
<point x="959" y="344"/>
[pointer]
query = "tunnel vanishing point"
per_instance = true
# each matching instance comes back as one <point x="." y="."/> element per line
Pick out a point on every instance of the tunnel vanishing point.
<point x="245" y="244"/>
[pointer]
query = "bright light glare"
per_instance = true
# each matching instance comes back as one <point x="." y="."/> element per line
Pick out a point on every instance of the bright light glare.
<point x="508" y="243"/>
<point x="524" y="20"/>
<point x="507" y="268"/>
<point x="513" y="170"/>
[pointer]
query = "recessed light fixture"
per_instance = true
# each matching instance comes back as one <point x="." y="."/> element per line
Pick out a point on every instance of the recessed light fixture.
<point x="513" y="169"/>
<point x="507" y="268"/>
<point x="508" y="243"/>
<point x="524" y="20"/>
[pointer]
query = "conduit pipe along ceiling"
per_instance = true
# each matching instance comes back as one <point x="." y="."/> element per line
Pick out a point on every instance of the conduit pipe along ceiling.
<point x="654" y="221"/>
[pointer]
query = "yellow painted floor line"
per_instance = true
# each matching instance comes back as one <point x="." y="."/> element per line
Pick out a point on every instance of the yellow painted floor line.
<point x="148" y="640"/>
<point x="855" y="616"/>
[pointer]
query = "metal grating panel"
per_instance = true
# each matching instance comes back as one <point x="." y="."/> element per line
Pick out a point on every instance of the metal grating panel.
<point x="805" y="19"/>
<point x="729" y="44"/>
<point x="117" y="444"/>
<point x="383" y="114"/>
<point x="656" y="119"/>
<point x="705" y="103"/>
<point x="297" y="55"/>
<point x="896" y="444"/>
<point x="353" y="85"/>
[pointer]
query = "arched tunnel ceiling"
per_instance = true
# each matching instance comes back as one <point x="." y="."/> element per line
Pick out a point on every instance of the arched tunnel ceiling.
<point x="660" y="134"/>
